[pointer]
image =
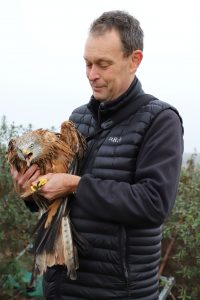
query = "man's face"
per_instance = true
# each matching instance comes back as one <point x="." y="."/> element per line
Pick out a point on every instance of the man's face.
<point x="110" y="73"/>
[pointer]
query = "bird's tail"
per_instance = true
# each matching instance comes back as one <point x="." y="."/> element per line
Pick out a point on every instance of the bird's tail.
<point x="56" y="240"/>
<point x="47" y="229"/>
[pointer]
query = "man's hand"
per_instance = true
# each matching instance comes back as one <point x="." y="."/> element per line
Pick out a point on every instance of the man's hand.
<point x="22" y="180"/>
<point x="57" y="185"/>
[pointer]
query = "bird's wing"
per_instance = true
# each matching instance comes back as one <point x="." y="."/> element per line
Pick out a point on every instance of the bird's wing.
<point x="71" y="135"/>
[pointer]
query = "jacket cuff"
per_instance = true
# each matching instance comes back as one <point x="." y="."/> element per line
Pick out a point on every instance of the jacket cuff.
<point x="81" y="186"/>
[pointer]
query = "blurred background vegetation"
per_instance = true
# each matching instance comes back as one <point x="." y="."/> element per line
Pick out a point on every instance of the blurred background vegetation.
<point x="181" y="240"/>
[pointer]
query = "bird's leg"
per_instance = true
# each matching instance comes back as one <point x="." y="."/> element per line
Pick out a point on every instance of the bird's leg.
<point x="52" y="211"/>
<point x="38" y="184"/>
<point x="30" y="189"/>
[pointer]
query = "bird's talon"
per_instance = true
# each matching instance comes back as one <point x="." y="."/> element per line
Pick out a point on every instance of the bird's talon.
<point x="39" y="184"/>
<point x="33" y="188"/>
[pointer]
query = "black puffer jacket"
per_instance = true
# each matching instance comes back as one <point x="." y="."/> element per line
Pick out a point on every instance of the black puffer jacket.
<point x="128" y="186"/>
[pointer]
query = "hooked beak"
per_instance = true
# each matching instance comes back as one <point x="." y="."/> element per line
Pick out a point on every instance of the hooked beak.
<point x="27" y="155"/>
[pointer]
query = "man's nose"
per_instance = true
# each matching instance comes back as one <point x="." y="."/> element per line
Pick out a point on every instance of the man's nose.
<point x="93" y="73"/>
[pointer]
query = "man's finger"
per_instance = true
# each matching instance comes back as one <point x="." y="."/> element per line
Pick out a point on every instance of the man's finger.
<point x="29" y="174"/>
<point x="33" y="178"/>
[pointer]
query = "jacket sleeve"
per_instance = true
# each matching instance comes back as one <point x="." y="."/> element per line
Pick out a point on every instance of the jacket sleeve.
<point x="150" y="199"/>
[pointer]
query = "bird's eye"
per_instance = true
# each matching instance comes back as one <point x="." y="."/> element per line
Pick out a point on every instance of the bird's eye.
<point x="31" y="145"/>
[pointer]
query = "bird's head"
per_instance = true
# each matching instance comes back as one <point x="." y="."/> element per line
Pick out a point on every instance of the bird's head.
<point x="28" y="148"/>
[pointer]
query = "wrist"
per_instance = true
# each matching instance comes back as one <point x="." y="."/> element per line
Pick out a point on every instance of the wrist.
<point x="72" y="182"/>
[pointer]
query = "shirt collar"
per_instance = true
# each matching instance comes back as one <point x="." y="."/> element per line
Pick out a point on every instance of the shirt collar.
<point x="104" y="111"/>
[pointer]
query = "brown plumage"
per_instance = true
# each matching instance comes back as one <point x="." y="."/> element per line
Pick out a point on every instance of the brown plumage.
<point x="53" y="153"/>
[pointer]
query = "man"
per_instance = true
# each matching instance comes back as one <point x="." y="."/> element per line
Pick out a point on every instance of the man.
<point x="129" y="177"/>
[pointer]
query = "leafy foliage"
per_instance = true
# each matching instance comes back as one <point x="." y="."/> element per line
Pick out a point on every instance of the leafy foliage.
<point x="16" y="221"/>
<point x="184" y="225"/>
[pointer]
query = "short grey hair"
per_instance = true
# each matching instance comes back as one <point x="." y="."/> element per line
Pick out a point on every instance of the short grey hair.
<point x="128" y="27"/>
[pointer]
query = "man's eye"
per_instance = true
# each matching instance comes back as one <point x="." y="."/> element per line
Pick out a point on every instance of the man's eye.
<point x="104" y="66"/>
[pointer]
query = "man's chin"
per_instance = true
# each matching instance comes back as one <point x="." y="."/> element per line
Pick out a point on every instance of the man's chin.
<point x="99" y="96"/>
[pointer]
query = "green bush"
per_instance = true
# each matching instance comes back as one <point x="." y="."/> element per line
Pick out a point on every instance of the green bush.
<point x="184" y="226"/>
<point x="16" y="222"/>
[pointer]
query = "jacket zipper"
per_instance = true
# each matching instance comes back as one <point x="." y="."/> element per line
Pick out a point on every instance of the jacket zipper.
<point x="123" y="252"/>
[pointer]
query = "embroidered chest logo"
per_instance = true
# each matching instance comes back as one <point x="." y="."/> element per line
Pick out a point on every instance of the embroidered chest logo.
<point x="115" y="139"/>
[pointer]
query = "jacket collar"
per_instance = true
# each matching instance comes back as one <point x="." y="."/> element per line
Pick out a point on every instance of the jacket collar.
<point x="108" y="113"/>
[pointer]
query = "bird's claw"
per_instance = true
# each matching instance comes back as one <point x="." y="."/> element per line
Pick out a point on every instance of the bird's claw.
<point x="38" y="184"/>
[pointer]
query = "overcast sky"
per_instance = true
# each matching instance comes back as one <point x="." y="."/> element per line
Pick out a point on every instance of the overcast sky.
<point x="42" y="71"/>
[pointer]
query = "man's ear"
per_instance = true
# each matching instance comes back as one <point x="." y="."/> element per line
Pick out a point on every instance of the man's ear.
<point x="136" y="59"/>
